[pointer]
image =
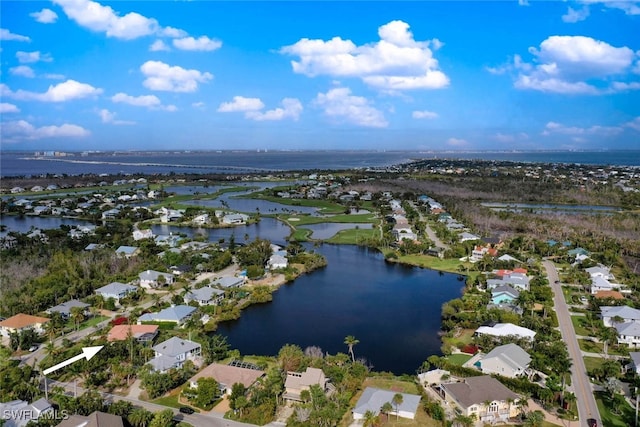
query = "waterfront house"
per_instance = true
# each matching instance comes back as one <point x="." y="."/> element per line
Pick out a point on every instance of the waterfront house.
<point x="277" y="261"/>
<point x="504" y="294"/>
<point x="235" y="219"/>
<point x="483" y="397"/>
<point x="505" y="330"/>
<point x="140" y="333"/>
<point x="297" y="382"/>
<point x="111" y="214"/>
<point x="167" y="240"/>
<point x="65" y="308"/>
<point x="227" y="376"/>
<point x="177" y="314"/>
<point x="173" y="352"/>
<point x="508" y="360"/>
<point x="373" y="399"/>
<point x="115" y="290"/>
<point x="152" y="279"/>
<point x="16" y="190"/>
<point x="142" y="234"/>
<point x="169" y="215"/>
<point x="201" y="219"/>
<point x="227" y="282"/>
<point x="205" y="296"/>
<point x="20" y="322"/>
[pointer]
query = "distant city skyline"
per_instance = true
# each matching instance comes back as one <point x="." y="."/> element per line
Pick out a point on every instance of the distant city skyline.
<point x="82" y="75"/>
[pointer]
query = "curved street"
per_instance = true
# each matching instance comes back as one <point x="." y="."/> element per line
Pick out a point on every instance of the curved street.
<point x="580" y="383"/>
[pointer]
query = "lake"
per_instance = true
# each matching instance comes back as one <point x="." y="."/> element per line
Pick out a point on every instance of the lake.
<point x="393" y="310"/>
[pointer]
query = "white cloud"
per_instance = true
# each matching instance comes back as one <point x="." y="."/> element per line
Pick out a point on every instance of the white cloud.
<point x="523" y="2"/>
<point x="339" y="104"/>
<point x="54" y="76"/>
<point x="629" y="7"/>
<point x="61" y="92"/>
<point x="109" y="117"/>
<point x="198" y="104"/>
<point x="424" y="115"/>
<point x="23" y="130"/>
<point x="45" y="16"/>
<point x="240" y="103"/>
<point x="396" y="62"/>
<point x="23" y="71"/>
<point x="138" y="101"/>
<point x="160" y="76"/>
<point x="201" y="43"/>
<point x="173" y="32"/>
<point x="30" y="57"/>
<point x="457" y="142"/>
<point x="576" y="15"/>
<point x="99" y="18"/>
<point x="558" y="128"/>
<point x="623" y="87"/>
<point x="158" y="45"/>
<point x="5" y="107"/>
<point x="291" y="109"/>
<point x="572" y="65"/>
<point x="6" y="35"/>
<point x="634" y="124"/>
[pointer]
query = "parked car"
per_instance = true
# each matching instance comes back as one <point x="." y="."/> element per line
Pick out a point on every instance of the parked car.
<point x="33" y="347"/>
<point x="591" y="422"/>
<point x="187" y="410"/>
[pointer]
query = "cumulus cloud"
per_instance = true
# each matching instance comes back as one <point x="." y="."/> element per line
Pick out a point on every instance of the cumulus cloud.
<point x="242" y="104"/>
<point x="173" y="32"/>
<point x="149" y="101"/>
<point x="457" y="142"/>
<point x="339" y="104"/>
<point x="23" y="71"/>
<point x="424" y="115"/>
<point x="31" y="57"/>
<point x="201" y="43"/>
<point x="45" y="16"/>
<point x="6" y="35"/>
<point x="396" y="62"/>
<point x="571" y="65"/>
<point x="99" y="18"/>
<point x="109" y="117"/>
<point x="54" y="76"/>
<point x="198" y="104"/>
<point x="161" y="76"/>
<point x="62" y="92"/>
<point x="634" y="124"/>
<point x="558" y="128"/>
<point x="23" y="130"/>
<point x="575" y="15"/>
<point x="291" y="109"/>
<point x="5" y="107"/>
<point x="158" y="45"/>
<point x="629" y="7"/>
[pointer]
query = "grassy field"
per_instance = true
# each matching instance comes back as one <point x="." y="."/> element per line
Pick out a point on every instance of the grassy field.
<point x="458" y="359"/>
<point x="592" y="363"/>
<point x="597" y="347"/>
<point x="462" y="338"/>
<point x="353" y="236"/>
<point x="580" y="325"/>
<point x="325" y="206"/>
<point x="435" y="263"/>
<point x="308" y="219"/>
<point x="610" y="419"/>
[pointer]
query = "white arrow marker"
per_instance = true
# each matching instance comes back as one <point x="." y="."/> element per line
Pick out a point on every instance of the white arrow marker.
<point x="87" y="352"/>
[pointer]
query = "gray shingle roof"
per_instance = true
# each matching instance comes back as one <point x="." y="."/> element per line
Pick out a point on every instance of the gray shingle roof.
<point x="510" y="354"/>
<point x="476" y="390"/>
<point x="175" y="346"/>
<point x="373" y="398"/>
<point x="170" y="314"/>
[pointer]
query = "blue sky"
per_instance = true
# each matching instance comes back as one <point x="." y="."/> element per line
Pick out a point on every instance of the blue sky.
<point x="419" y="75"/>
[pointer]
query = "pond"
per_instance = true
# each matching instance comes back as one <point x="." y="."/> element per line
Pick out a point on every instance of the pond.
<point x="393" y="310"/>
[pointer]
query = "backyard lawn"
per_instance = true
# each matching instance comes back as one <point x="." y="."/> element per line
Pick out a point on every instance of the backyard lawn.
<point x="609" y="419"/>
<point x="580" y="325"/>
<point x="459" y="358"/>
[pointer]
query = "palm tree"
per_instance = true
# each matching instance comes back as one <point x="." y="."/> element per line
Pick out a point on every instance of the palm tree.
<point x="534" y="419"/>
<point x="386" y="408"/>
<point x="77" y="314"/>
<point x="397" y="401"/>
<point x="350" y="341"/>
<point x="607" y="336"/>
<point x="370" y="419"/>
<point x="140" y="417"/>
<point x="463" y="421"/>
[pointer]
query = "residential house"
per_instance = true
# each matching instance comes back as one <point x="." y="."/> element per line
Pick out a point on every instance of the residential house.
<point x="600" y="271"/>
<point x="140" y="333"/>
<point x="20" y="322"/>
<point x="277" y="261"/>
<point x="95" y="419"/>
<point x="177" y="314"/>
<point x="152" y="279"/>
<point x="599" y="284"/>
<point x="65" y="308"/>
<point x="169" y="240"/>
<point x="201" y="219"/>
<point x="504" y="294"/>
<point x="635" y="362"/>
<point x="479" y="252"/>
<point x="18" y="413"/>
<point x="508" y="360"/>
<point x="235" y="219"/>
<point x="142" y="234"/>
<point x="205" y="296"/>
<point x="173" y="352"/>
<point x="628" y="333"/>
<point x="464" y="237"/>
<point x="15" y="190"/>
<point x="373" y="399"/>
<point x="623" y="312"/>
<point x="227" y="376"/>
<point x="111" y="214"/>
<point x="169" y="215"/>
<point x="227" y="282"/>
<point x="115" y="290"/>
<point x="127" y="251"/>
<point x="483" y="396"/>
<point x="297" y="382"/>
<point x="505" y="330"/>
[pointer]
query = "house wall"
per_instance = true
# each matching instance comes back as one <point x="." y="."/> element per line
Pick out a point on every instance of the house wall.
<point x="495" y="366"/>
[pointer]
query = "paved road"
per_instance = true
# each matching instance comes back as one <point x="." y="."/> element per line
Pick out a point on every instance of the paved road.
<point x="581" y="385"/>
<point x="430" y="233"/>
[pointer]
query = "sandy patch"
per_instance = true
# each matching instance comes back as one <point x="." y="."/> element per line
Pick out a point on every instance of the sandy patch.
<point x="293" y="219"/>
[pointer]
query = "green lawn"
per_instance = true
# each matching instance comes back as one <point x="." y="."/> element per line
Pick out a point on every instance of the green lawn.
<point x="308" y="219"/>
<point x="590" y="346"/>
<point x="580" y="325"/>
<point x="458" y="358"/>
<point x="353" y="236"/>
<point x="610" y="419"/>
<point x="450" y="265"/>
<point x="325" y="206"/>
<point x="592" y="363"/>
<point x="463" y="338"/>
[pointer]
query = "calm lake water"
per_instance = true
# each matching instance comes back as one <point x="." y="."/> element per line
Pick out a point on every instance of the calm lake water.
<point x="393" y="310"/>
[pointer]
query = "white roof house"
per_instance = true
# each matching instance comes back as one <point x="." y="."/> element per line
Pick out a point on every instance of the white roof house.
<point x="205" y="296"/>
<point x="277" y="261"/>
<point x="229" y="282"/>
<point x="173" y="352"/>
<point x="142" y="234"/>
<point x="127" y="251"/>
<point x="508" y="360"/>
<point x="115" y="290"/>
<point x="65" y="308"/>
<point x="625" y="312"/>
<point x="151" y="278"/>
<point x="237" y="218"/>
<point x="174" y="314"/>
<point x="506" y="329"/>
<point x="628" y="333"/>
<point x="372" y="399"/>
<point x="600" y="271"/>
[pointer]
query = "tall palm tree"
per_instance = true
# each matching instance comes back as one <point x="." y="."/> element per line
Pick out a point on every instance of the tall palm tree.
<point x="140" y="417"/>
<point x="397" y="401"/>
<point x="370" y="419"/>
<point x="351" y="341"/>
<point x="386" y="408"/>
